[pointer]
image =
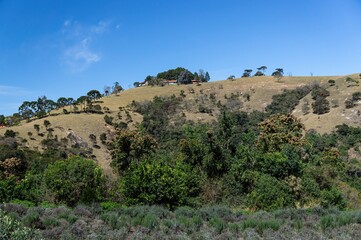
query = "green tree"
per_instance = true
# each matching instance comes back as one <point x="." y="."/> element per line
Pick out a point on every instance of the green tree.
<point x="278" y="73"/>
<point x="247" y="73"/>
<point x="260" y="71"/>
<point x="156" y="182"/>
<point x="207" y="77"/>
<point x="62" y="102"/>
<point x="82" y="100"/>
<point x="74" y="180"/>
<point x="25" y="110"/>
<point x="128" y="147"/>
<point x="231" y="77"/>
<point x="262" y="68"/>
<point x="185" y="77"/>
<point x="270" y="194"/>
<point x="117" y="88"/>
<point x="93" y="95"/>
<point x="321" y="105"/>
<point x="279" y="130"/>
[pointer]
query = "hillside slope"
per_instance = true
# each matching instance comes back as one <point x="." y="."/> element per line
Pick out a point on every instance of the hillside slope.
<point x="259" y="90"/>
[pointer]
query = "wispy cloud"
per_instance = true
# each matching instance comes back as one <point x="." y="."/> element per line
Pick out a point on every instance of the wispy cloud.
<point x="79" y="51"/>
<point x="12" y="91"/>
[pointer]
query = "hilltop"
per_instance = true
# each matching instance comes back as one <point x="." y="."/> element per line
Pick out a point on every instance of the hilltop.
<point x="246" y="94"/>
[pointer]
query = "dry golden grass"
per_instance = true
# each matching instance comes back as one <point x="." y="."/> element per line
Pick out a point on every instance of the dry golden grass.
<point x="261" y="90"/>
<point x="338" y="115"/>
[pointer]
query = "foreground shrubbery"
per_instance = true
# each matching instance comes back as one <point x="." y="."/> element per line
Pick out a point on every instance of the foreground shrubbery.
<point x="155" y="222"/>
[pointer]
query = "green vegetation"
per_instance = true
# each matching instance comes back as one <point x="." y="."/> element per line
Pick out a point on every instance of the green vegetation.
<point x="257" y="161"/>
<point x="155" y="222"/>
<point x="180" y="75"/>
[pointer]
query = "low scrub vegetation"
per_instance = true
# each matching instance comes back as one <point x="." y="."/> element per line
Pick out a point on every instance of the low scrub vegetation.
<point x="155" y="222"/>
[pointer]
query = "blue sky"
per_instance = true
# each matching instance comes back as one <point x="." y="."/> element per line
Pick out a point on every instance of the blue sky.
<point x="66" y="48"/>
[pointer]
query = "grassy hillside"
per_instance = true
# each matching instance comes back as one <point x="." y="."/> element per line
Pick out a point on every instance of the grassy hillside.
<point x="259" y="90"/>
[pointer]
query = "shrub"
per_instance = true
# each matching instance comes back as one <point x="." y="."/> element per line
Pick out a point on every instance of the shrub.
<point x="270" y="194"/>
<point x="321" y="105"/>
<point x="349" y="104"/>
<point x="332" y="82"/>
<point x="74" y="180"/>
<point x="150" y="221"/>
<point x="285" y="102"/>
<point x="9" y="133"/>
<point x="332" y="197"/>
<point x="156" y="182"/>
<point x="260" y="225"/>
<point x="109" y="206"/>
<point x="108" y="119"/>
<point x="218" y="224"/>
<point x="12" y="229"/>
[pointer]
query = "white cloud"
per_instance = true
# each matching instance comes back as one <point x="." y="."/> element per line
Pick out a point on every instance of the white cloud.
<point x="12" y="91"/>
<point x="79" y="52"/>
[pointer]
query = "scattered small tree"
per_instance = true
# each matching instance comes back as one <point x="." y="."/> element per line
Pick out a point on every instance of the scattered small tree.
<point x="93" y="95"/>
<point x="106" y="90"/>
<point x="117" y="88"/>
<point x="247" y="73"/>
<point x="231" y="77"/>
<point x="47" y="123"/>
<point x="321" y="105"/>
<point x="278" y="73"/>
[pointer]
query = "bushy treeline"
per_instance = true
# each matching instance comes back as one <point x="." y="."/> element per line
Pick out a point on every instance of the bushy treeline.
<point x="257" y="160"/>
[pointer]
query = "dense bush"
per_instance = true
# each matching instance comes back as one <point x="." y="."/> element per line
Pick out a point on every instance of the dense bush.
<point x="270" y="194"/>
<point x="156" y="182"/>
<point x="285" y="102"/>
<point x="74" y="180"/>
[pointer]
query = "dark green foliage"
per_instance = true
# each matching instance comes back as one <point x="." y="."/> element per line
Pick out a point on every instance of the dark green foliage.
<point x="108" y="119"/>
<point x="130" y="147"/>
<point x="270" y="194"/>
<point x="173" y="74"/>
<point x="247" y="73"/>
<point x="39" y="108"/>
<point x="350" y="103"/>
<point x="319" y="92"/>
<point x="332" y="197"/>
<point x="156" y="115"/>
<point x="74" y="180"/>
<point x="259" y="74"/>
<point x="285" y="102"/>
<point x="9" y="133"/>
<point x="321" y="106"/>
<point x="103" y="138"/>
<point x="332" y="82"/>
<point x="156" y="182"/>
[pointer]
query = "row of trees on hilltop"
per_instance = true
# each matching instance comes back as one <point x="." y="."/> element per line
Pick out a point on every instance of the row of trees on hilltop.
<point x="260" y="72"/>
<point x="43" y="106"/>
<point x="181" y="75"/>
